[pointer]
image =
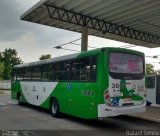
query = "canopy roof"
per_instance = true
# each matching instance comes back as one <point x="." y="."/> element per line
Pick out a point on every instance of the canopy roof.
<point x="131" y="21"/>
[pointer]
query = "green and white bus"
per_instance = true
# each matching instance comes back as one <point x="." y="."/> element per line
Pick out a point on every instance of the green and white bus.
<point x="93" y="84"/>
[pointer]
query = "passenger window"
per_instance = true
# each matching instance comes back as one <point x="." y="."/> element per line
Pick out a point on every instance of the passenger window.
<point x="19" y="73"/>
<point x="80" y="70"/>
<point x="47" y="72"/>
<point x="94" y="68"/>
<point x="14" y="74"/>
<point x="75" y="72"/>
<point x="61" y="71"/>
<point x="27" y="73"/>
<point x="85" y="67"/>
<point x="36" y="73"/>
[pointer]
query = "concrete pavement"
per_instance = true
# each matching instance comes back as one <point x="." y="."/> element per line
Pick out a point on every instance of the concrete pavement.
<point x="34" y="121"/>
<point x="152" y="114"/>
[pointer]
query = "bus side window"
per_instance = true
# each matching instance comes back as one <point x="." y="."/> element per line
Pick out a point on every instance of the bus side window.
<point x="66" y="70"/>
<point x="36" y="73"/>
<point x="20" y="74"/>
<point x="93" y="68"/>
<point x="47" y="72"/>
<point x="150" y="82"/>
<point x="14" y="74"/>
<point x="74" y="72"/>
<point x="85" y="67"/>
<point x="61" y="71"/>
<point x="27" y="73"/>
<point x="80" y="70"/>
<point x="56" y="67"/>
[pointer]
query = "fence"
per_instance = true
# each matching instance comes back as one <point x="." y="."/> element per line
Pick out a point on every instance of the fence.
<point x="5" y="85"/>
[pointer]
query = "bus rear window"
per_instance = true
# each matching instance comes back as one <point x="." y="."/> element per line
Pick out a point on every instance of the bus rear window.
<point x="126" y="63"/>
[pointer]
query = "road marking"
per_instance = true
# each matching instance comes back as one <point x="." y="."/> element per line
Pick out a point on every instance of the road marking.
<point x="155" y="105"/>
<point x="24" y="109"/>
<point x="12" y="102"/>
<point x="2" y="104"/>
<point x="4" y="107"/>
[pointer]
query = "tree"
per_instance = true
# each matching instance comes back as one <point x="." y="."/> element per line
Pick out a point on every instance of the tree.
<point x="43" y="57"/>
<point x="150" y="69"/>
<point x="1" y="70"/>
<point x="9" y="58"/>
<point x="158" y="72"/>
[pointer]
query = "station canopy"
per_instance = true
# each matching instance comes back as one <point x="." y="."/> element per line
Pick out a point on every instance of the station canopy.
<point x="131" y="21"/>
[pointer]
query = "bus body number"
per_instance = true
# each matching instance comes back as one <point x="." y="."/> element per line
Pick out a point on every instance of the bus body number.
<point x="87" y="93"/>
<point x="115" y="85"/>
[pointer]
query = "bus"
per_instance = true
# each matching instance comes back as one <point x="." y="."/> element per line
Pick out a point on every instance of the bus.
<point x="153" y="89"/>
<point x="92" y="84"/>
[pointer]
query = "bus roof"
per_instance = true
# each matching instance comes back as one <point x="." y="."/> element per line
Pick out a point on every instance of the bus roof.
<point x="61" y="58"/>
<point x="71" y="56"/>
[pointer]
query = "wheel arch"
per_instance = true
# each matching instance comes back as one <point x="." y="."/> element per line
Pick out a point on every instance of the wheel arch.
<point x="18" y="95"/>
<point x="51" y="99"/>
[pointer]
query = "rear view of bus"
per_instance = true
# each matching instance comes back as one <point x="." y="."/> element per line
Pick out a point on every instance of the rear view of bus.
<point x="125" y="92"/>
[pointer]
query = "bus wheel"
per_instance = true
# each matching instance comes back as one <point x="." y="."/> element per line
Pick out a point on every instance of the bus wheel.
<point x="20" y="99"/>
<point x="54" y="108"/>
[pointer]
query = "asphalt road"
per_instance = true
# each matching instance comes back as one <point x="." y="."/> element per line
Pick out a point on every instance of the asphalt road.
<point x="35" y="121"/>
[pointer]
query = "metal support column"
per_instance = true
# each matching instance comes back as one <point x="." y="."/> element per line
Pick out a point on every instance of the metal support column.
<point x="84" y="40"/>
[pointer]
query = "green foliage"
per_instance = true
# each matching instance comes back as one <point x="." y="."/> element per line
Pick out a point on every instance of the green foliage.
<point x="150" y="70"/>
<point x="1" y="70"/>
<point x="157" y="72"/>
<point x="9" y="58"/>
<point x="43" y="57"/>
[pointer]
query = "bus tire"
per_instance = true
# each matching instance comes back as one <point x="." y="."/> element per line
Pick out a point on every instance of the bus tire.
<point x="20" y="99"/>
<point x="54" y="107"/>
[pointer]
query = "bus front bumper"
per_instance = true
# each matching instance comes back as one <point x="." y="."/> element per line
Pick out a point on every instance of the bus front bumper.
<point x="107" y="111"/>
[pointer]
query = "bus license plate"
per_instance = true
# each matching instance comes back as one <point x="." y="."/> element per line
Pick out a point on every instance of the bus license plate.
<point x="128" y="99"/>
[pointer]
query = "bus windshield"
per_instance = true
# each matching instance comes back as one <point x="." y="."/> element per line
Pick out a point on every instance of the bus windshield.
<point x="126" y="63"/>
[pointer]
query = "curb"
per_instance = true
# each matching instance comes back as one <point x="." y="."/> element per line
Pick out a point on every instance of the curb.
<point x="5" y="93"/>
<point x="155" y="105"/>
<point x="145" y="118"/>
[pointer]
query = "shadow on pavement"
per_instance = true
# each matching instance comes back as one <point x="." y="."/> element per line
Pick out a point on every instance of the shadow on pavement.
<point x="111" y="123"/>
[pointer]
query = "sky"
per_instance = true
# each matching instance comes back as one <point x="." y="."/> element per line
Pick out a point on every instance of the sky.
<point x="33" y="40"/>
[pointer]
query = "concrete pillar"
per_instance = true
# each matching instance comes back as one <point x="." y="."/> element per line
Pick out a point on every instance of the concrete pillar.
<point x="84" y="40"/>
